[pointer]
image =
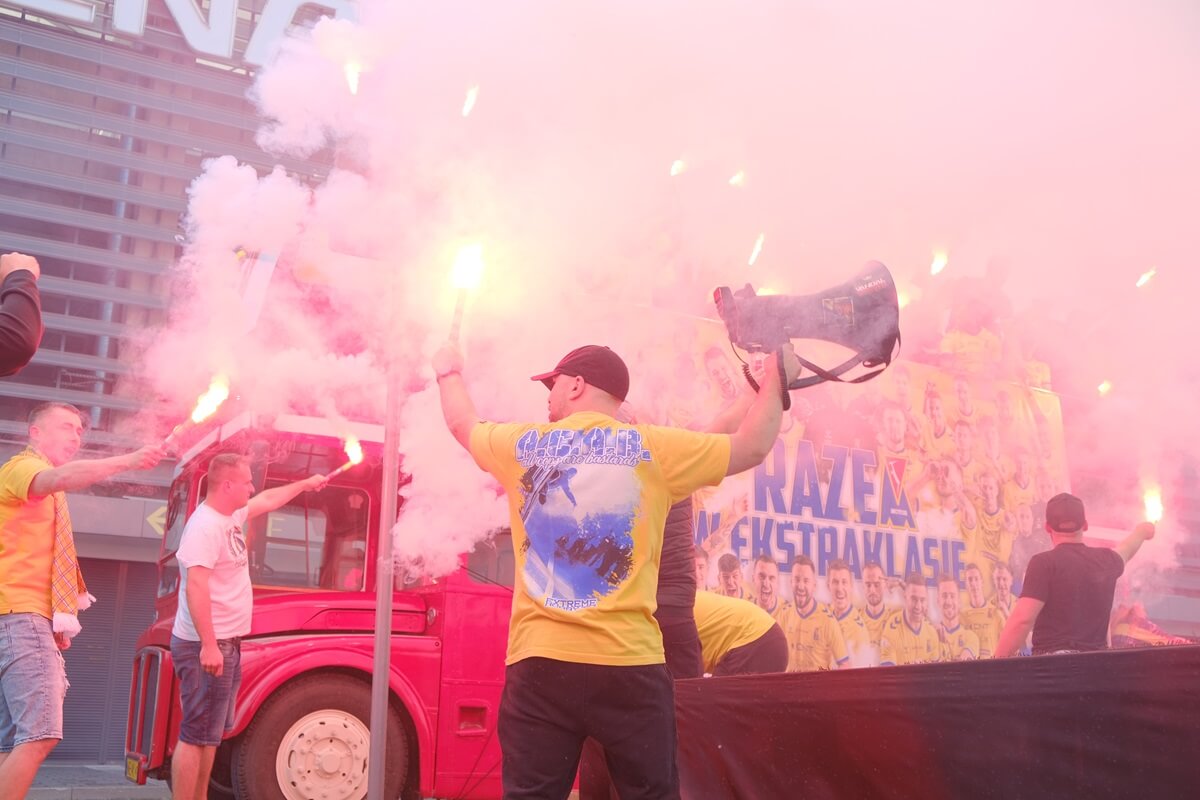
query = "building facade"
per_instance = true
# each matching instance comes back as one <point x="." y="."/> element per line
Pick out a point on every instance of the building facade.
<point x="108" y="108"/>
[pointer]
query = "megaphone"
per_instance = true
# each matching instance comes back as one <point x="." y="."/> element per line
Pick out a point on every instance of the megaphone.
<point x="862" y="314"/>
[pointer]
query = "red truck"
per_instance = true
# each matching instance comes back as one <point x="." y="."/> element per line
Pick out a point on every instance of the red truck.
<point x="303" y="707"/>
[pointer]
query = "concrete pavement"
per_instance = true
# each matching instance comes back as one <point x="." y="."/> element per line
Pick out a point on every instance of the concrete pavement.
<point x="91" y="782"/>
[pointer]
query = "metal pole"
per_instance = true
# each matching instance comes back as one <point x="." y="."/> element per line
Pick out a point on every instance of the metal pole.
<point x="384" y="578"/>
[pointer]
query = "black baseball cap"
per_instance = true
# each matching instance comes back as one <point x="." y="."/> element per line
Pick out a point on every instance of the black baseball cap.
<point x="1064" y="513"/>
<point x="597" y="365"/>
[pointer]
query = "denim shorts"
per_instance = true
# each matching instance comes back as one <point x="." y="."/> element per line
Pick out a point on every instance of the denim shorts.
<point x="207" y="700"/>
<point x="33" y="681"/>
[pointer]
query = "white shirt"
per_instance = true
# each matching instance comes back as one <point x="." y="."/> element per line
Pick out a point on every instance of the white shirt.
<point x="216" y="541"/>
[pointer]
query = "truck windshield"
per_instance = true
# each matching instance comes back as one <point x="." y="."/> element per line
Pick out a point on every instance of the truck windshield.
<point x="317" y="541"/>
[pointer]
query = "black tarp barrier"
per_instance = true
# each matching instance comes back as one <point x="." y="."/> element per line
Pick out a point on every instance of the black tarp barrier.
<point x="1112" y="724"/>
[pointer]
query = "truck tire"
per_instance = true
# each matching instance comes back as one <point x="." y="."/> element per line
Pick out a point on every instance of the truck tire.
<point x="220" y="781"/>
<point x="310" y="741"/>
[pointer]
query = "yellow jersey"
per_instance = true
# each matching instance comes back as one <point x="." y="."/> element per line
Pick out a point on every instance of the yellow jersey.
<point x="855" y="635"/>
<point x="725" y="623"/>
<point x="875" y="624"/>
<point x="901" y="644"/>
<point x="1017" y="495"/>
<point x="814" y="640"/>
<point x="959" y="644"/>
<point x="588" y="498"/>
<point x="1002" y="609"/>
<point x="26" y="538"/>
<point x="986" y="624"/>
<point x="989" y="542"/>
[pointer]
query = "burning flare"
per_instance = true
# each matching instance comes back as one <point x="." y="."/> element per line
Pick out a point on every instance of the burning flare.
<point x="1104" y="388"/>
<point x="738" y="179"/>
<point x="469" y="103"/>
<point x="758" y="245"/>
<point x="1146" y="276"/>
<point x="354" y="456"/>
<point x="468" y="271"/>
<point x="677" y="167"/>
<point x="211" y="400"/>
<point x="940" y="260"/>
<point x="353" y="70"/>
<point x="206" y="406"/>
<point x="1154" y="504"/>
<point x="468" y="267"/>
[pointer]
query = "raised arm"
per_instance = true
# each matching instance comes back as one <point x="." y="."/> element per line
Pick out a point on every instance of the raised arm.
<point x="76" y="475"/>
<point x="753" y="439"/>
<point x="20" y="311"/>
<point x="1142" y="533"/>
<point x="457" y="408"/>
<point x="267" y="501"/>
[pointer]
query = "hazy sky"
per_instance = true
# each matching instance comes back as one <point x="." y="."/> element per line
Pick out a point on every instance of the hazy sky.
<point x="1048" y="146"/>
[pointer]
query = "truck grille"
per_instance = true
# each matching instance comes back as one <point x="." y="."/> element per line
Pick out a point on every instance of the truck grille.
<point x="149" y="702"/>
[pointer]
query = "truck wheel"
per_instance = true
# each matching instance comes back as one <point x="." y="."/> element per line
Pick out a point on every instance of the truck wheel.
<point x="310" y="742"/>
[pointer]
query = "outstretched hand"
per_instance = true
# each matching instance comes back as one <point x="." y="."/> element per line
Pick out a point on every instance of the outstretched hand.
<point x="1145" y="530"/>
<point x="148" y="456"/>
<point x="314" y="483"/>
<point x="447" y="360"/>
<point x="11" y="262"/>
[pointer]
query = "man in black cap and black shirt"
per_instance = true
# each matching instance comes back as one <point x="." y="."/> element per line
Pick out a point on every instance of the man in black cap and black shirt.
<point x="1067" y="595"/>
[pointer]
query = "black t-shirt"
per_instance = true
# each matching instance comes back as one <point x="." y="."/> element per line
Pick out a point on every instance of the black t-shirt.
<point x="677" y="570"/>
<point x="1076" y="583"/>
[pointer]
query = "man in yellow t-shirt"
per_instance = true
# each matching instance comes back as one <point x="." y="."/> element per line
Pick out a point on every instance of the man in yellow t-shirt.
<point x="737" y="637"/>
<point x="701" y="569"/>
<point x="892" y="436"/>
<point x="814" y="637"/>
<point x="909" y="637"/>
<point x="766" y="586"/>
<point x="958" y="643"/>
<point x="1003" y="600"/>
<point x="876" y="611"/>
<point x="588" y="498"/>
<point x="990" y="542"/>
<point x="729" y="576"/>
<point x="979" y="616"/>
<point x="849" y="619"/>
<point x="937" y="440"/>
<point x="1021" y="489"/>
<point x="41" y="588"/>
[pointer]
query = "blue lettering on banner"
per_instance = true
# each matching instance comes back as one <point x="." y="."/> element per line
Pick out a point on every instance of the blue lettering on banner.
<point x="769" y="479"/>
<point x="833" y="501"/>
<point x="806" y="485"/>
<point x="798" y="508"/>
<point x="707" y="523"/>
<point x="826" y="548"/>
<point x="784" y="538"/>
<point x="860" y="462"/>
